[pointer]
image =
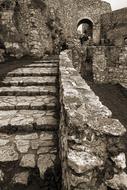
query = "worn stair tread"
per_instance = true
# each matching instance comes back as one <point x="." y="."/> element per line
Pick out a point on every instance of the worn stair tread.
<point x="27" y="120"/>
<point x="28" y="81"/>
<point x="41" y="65"/>
<point x="27" y="90"/>
<point x="47" y="61"/>
<point x="27" y="102"/>
<point x="33" y="72"/>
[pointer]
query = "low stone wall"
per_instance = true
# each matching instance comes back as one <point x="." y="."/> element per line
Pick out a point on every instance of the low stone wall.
<point x="91" y="143"/>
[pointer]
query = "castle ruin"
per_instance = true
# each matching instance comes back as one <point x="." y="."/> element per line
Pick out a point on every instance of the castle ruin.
<point x="63" y="95"/>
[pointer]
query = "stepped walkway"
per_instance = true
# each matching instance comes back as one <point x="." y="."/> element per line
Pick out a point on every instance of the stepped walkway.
<point x="29" y="122"/>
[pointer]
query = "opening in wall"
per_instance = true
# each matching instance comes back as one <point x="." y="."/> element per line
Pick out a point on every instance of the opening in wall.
<point x="85" y="30"/>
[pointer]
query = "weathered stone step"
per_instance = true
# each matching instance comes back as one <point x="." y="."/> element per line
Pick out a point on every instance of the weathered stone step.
<point x="28" y="102"/>
<point x="24" y="120"/>
<point x="29" y="81"/>
<point x="47" y="61"/>
<point x="47" y="65"/>
<point x="33" y="72"/>
<point x="28" y="91"/>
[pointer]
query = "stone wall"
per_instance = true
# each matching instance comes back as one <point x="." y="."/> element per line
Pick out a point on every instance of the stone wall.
<point x="114" y="27"/>
<point x="91" y="141"/>
<point x="33" y="154"/>
<point x="26" y="29"/>
<point x="89" y="9"/>
<point x="110" y="64"/>
<point x="40" y="27"/>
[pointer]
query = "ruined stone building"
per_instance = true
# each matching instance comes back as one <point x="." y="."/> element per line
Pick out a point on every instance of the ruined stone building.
<point x="63" y="95"/>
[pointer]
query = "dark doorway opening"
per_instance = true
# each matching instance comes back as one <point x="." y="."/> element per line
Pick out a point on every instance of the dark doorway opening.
<point x="87" y="65"/>
<point x="85" y="30"/>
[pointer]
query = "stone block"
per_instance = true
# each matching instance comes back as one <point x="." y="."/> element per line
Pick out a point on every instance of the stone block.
<point x="45" y="162"/>
<point x="8" y="154"/>
<point x="21" y="178"/>
<point x="28" y="160"/>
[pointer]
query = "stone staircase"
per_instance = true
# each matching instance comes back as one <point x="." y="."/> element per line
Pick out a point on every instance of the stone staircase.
<point x="29" y="122"/>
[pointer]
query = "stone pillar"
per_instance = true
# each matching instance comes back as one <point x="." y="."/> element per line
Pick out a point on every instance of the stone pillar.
<point x="96" y="34"/>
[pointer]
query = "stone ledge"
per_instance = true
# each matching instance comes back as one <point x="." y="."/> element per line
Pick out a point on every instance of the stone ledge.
<point x="82" y="104"/>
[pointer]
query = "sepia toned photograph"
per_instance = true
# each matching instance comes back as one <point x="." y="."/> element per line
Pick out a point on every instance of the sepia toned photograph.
<point x="63" y="94"/>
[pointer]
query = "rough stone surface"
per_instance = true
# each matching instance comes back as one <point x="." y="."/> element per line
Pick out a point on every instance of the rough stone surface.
<point x="42" y="27"/>
<point x="87" y="133"/>
<point x="110" y="64"/>
<point x="114" y="26"/>
<point x="28" y="125"/>
<point x="26" y="120"/>
<point x="120" y="160"/>
<point x="28" y="160"/>
<point x="8" y="153"/>
<point x="23" y="146"/>
<point x="45" y="162"/>
<point x="82" y="162"/>
<point x="31" y="136"/>
<point x="119" y="181"/>
<point x="21" y="178"/>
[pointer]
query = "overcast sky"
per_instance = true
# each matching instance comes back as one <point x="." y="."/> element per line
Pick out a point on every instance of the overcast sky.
<point x="117" y="4"/>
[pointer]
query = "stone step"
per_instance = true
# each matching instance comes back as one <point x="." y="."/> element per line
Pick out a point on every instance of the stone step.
<point x="47" y="61"/>
<point x="29" y="81"/>
<point x="28" y="103"/>
<point x="33" y="72"/>
<point x="28" y="91"/>
<point x="42" y="65"/>
<point x="27" y="121"/>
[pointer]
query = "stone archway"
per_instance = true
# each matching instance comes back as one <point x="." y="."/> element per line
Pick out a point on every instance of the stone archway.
<point x="85" y="30"/>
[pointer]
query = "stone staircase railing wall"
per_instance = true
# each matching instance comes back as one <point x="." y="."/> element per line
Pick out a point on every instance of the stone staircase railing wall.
<point x="91" y="141"/>
<point x="110" y="64"/>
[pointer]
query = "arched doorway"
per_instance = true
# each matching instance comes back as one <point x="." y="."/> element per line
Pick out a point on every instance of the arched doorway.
<point x="85" y="33"/>
<point x="85" y="30"/>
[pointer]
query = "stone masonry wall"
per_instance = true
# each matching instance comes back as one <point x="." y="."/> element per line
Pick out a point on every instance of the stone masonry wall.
<point x="114" y="26"/>
<point x="24" y="29"/>
<point x="38" y="27"/>
<point x="110" y="64"/>
<point x="28" y="153"/>
<point x="92" y="150"/>
<point x="89" y="9"/>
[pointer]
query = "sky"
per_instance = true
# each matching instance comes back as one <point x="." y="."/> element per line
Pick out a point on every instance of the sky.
<point x="117" y="4"/>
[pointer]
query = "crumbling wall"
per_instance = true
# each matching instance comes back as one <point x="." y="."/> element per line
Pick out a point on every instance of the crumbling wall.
<point x="35" y="28"/>
<point x="92" y="150"/>
<point x="113" y="27"/>
<point x="30" y="28"/>
<point x="110" y="64"/>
